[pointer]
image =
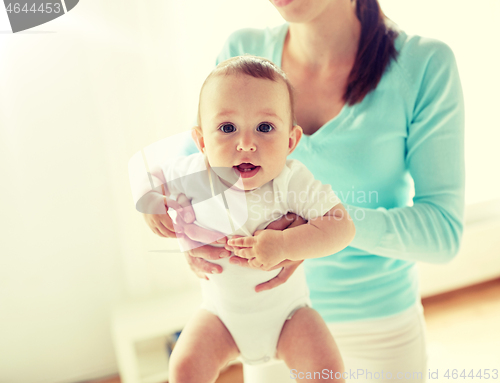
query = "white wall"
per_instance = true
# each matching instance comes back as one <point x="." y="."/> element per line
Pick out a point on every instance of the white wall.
<point x="471" y="29"/>
<point x="479" y="256"/>
<point x="79" y="96"/>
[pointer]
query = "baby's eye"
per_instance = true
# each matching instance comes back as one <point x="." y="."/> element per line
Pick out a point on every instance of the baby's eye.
<point x="227" y="128"/>
<point x="265" y="127"/>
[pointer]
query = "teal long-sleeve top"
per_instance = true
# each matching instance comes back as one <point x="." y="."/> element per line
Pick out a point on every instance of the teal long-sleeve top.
<point x="406" y="137"/>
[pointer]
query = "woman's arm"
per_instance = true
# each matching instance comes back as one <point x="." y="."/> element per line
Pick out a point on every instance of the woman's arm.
<point x="431" y="229"/>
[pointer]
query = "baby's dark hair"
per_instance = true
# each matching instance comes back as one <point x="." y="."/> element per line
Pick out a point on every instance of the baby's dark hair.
<point x="254" y="66"/>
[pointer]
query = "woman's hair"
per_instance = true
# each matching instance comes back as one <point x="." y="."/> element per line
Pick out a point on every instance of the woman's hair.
<point x="375" y="51"/>
<point x="253" y="66"/>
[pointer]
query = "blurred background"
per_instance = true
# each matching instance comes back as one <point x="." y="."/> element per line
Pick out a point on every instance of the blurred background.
<point x="79" y="96"/>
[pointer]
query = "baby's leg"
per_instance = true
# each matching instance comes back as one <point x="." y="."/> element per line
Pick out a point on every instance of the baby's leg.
<point x="204" y="347"/>
<point x="307" y="347"/>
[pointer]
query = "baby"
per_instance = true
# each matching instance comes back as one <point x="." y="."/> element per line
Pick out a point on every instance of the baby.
<point x="243" y="181"/>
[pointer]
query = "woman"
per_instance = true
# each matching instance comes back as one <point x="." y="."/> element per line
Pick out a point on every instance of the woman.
<point x="380" y="111"/>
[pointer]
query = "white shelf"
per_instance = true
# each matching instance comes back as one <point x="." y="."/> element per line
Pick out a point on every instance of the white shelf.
<point x="152" y="360"/>
<point x="140" y="332"/>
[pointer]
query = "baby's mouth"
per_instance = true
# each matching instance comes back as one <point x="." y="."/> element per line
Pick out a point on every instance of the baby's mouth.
<point x="245" y="167"/>
<point x="247" y="170"/>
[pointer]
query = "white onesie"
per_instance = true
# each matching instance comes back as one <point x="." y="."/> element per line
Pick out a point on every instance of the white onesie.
<point x="254" y="319"/>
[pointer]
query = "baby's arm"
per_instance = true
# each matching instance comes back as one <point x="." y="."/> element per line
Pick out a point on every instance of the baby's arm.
<point x="177" y="180"/>
<point x="322" y="236"/>
<point x="149" y="191"/>
<point x="154" y="206"/>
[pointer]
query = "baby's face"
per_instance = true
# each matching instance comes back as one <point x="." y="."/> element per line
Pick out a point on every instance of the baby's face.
<point x="247" y="127"/>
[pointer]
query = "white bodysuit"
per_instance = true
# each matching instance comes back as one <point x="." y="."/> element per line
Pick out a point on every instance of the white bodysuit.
<point x="254" y="319"/>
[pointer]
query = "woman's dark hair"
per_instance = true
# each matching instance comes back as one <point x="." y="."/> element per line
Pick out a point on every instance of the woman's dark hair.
<point x="375" y="51"/>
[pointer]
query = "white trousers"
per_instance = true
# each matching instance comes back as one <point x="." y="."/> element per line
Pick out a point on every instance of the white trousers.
<point x="377" y="350"/>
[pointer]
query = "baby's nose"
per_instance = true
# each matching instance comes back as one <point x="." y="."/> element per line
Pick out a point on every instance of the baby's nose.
<point x="246" y="144"/>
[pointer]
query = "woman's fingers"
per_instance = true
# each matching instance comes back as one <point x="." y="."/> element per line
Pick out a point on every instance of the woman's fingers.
<point x="235" y="260"/>
<point x="297" y="221"/>
<point x="283" y="222"/>
<point x="282" y="264"/>
<point x="279" y="279"/>
<point x="202" y="267"/>
<point x="199" y="234"/>
<point x="255" y="263"/>
<point x="208" y="252"/>
<point x="287" y="221"/>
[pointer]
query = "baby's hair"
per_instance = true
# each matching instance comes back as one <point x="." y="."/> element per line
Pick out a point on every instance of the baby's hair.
<point x="253" y="66"/>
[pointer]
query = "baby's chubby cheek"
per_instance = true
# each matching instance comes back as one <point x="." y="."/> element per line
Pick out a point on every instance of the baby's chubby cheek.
<point x="224" y="170"/>
<point x="217" y="157"/>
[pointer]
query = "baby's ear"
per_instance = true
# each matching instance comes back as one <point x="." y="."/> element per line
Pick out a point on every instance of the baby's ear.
<point x="197" y="135"/>
<point x="295" y="136"/>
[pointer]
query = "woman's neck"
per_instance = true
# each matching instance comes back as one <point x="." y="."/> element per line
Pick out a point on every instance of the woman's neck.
<point x="329" y="40"/>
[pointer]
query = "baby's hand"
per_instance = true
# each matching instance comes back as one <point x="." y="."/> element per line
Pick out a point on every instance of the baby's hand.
<point x="265" y="249"/>
<point x="154" y="209"/>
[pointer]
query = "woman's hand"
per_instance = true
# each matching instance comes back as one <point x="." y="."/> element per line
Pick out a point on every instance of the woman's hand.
<point x="288" y="267"/>
<point x="202" y="248"/>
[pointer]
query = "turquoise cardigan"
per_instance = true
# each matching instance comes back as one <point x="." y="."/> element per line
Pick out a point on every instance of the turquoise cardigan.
<point x="396" y="160"/>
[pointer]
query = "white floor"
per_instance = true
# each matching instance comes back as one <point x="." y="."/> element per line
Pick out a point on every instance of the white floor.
<point x="464" y="334"/>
